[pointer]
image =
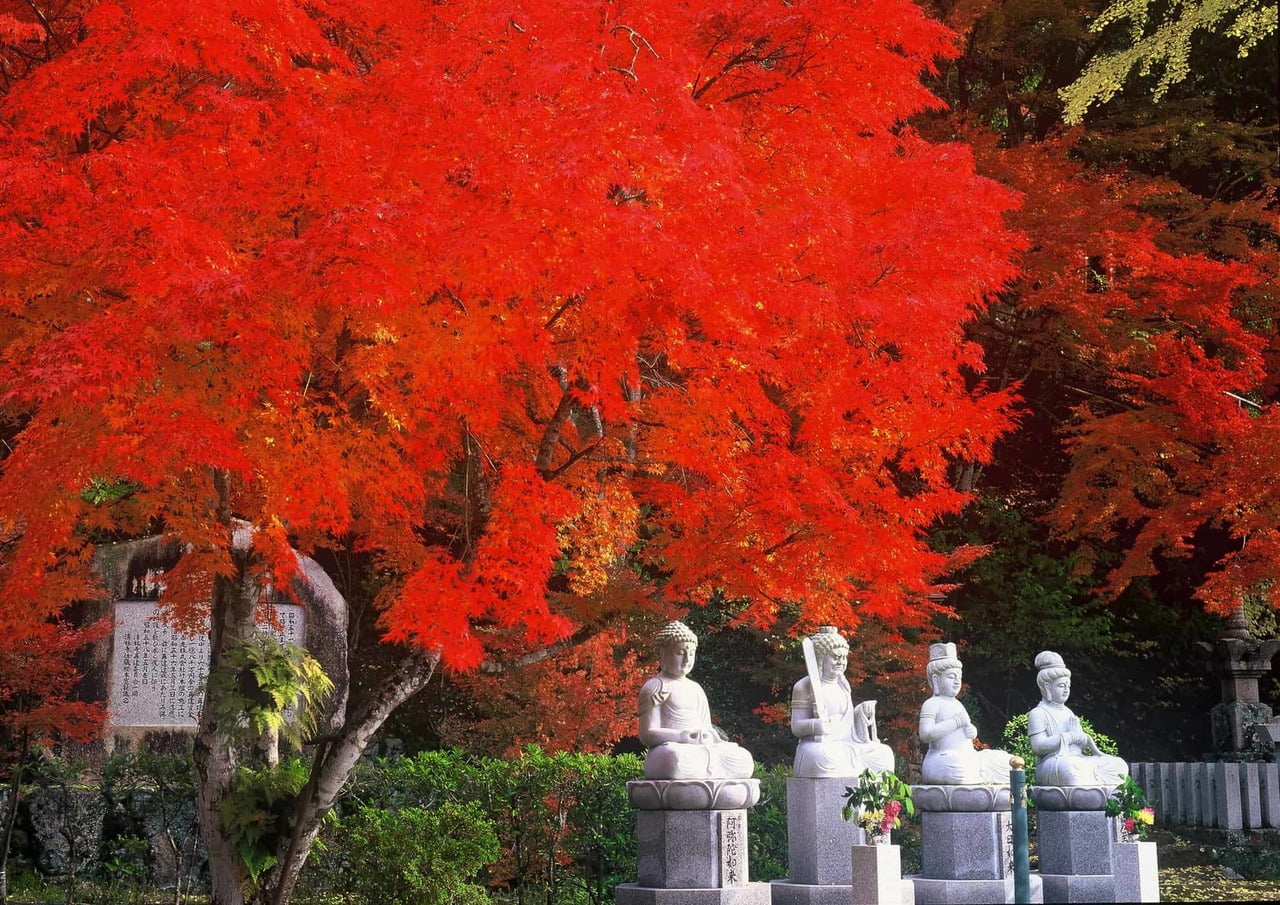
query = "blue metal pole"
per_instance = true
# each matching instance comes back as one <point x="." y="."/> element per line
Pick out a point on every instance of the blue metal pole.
<point x="1021" y="841"/>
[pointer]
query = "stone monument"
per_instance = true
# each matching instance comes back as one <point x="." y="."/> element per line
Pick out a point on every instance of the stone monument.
<point x="158" y="672"/>
<point x="963" y="801"/>
<point x="691" y="820"/>
<point x="1239" y="660"/>
<point x="1073" y="782"/>
<point x="152" y="675"/>
<point x="838" y="740"/>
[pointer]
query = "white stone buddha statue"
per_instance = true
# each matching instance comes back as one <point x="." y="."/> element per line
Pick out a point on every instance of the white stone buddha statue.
<point x="1066" y="754"/>
<point x="837" y="738"/>
<point x="946" y="728"/>
<point x="675" y="719"/>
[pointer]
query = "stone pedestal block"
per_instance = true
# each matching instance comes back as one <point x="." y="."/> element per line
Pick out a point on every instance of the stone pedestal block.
<point x="1136" y="870"/>
<point x="1074" y="842"/>
<point x="1076" y="856"/>
<point x="971" y="892"/>
<point x="634" y="894"/>
<point x="877" y="876"/>
<point x="818" y="837"/>
<point x="691" y="849"/>
<point x="876" y="879"/>
<point x="785" y="892"/>
<point x="966" y="846"/>
<point x="971" y="845"/>
<point x="1064" y="888"/>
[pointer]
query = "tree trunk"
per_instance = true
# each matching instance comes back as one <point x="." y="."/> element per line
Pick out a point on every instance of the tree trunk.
<point x="332" y="766"/>
<point x="11" y="816"/>
<point x="231" y="622"/>
<point x="179" y="866"/>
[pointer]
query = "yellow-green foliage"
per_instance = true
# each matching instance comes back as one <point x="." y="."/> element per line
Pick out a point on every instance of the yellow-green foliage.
<point x="1160" y="45"/>
<point x="259" y="682"/>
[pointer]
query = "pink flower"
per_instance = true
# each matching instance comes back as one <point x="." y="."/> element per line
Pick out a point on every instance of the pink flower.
<point x="892" y="809"/>
<point x="1128" y="824"/>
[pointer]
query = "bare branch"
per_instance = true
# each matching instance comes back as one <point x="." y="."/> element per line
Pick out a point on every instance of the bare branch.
<point x="495" y="667"/>
<point x="585" y="451"/>
<point x="638" y="43"/>
<point x="555" y="316"/>
<point x="551" y="436"/>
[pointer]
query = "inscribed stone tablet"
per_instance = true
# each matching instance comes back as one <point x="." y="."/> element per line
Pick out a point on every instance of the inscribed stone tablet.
<point x="733" y="848"/>
<point x="157" y="674"/>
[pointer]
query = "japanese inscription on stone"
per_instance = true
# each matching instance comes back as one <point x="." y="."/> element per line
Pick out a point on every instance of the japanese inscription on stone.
<point x="1006" y="844"/>
<point x="157" y="674"/>
<point x="733" y="848"/>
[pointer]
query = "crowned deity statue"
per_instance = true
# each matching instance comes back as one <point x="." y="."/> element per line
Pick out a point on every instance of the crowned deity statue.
<point x="946" y="728"/>
<point x="675" y="720"/>
<point x="1066" y="754"/>
<point x="837" y="737"/>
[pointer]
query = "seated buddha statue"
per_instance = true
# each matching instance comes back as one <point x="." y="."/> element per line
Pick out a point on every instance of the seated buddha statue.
<point x="675" y="720"/>
<point x="1066" y="754"/>
<point x="946" y="728"/>
<point x="837" y="738"/>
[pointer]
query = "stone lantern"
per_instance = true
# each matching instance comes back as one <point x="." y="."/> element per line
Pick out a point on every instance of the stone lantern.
<point x="1239" y="659"/>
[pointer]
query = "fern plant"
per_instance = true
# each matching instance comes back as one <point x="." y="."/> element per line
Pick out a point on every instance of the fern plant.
<point x="269" y="686"/>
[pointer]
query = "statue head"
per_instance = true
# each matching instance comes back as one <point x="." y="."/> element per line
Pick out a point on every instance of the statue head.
<point x="1053" y="677"/>
<point x="677" y="649"/>
<point x="831" y="651"/>
<point x="944" y="670"/>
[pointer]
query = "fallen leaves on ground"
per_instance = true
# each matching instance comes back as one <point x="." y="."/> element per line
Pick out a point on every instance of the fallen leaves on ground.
<point x="1206" y="883"/>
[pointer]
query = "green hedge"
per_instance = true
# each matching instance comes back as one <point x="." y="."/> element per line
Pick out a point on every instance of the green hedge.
<point x="439" y="827"/>
<point x="562" y="824"/>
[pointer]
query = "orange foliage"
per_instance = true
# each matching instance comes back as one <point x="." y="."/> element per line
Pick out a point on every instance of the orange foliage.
<point x="581" y="700"/>
<point x="1172" y="432"/>
<point x="506" y="293"/>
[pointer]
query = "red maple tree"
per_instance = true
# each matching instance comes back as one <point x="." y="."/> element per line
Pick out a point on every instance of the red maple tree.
<point x="1143" y="327"/>
<point x="1162" y="355"/>
<point x="508" y="296"/>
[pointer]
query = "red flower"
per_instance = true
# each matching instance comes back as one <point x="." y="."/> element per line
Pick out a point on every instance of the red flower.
<point x="892" y="809"/>
<point x="1128" y="824"/>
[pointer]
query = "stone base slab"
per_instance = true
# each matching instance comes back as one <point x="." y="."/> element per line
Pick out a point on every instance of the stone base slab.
<point x="751" y="894"/>
<point x="966" y="846"/>
<point x="785" y="893"/>
<point x="1136" y="871"/>
<point x="1078" y="888"/>
<point x="1074" y="842"/>
<point x="972" y="892"/>
<point x="818" y="837"/>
